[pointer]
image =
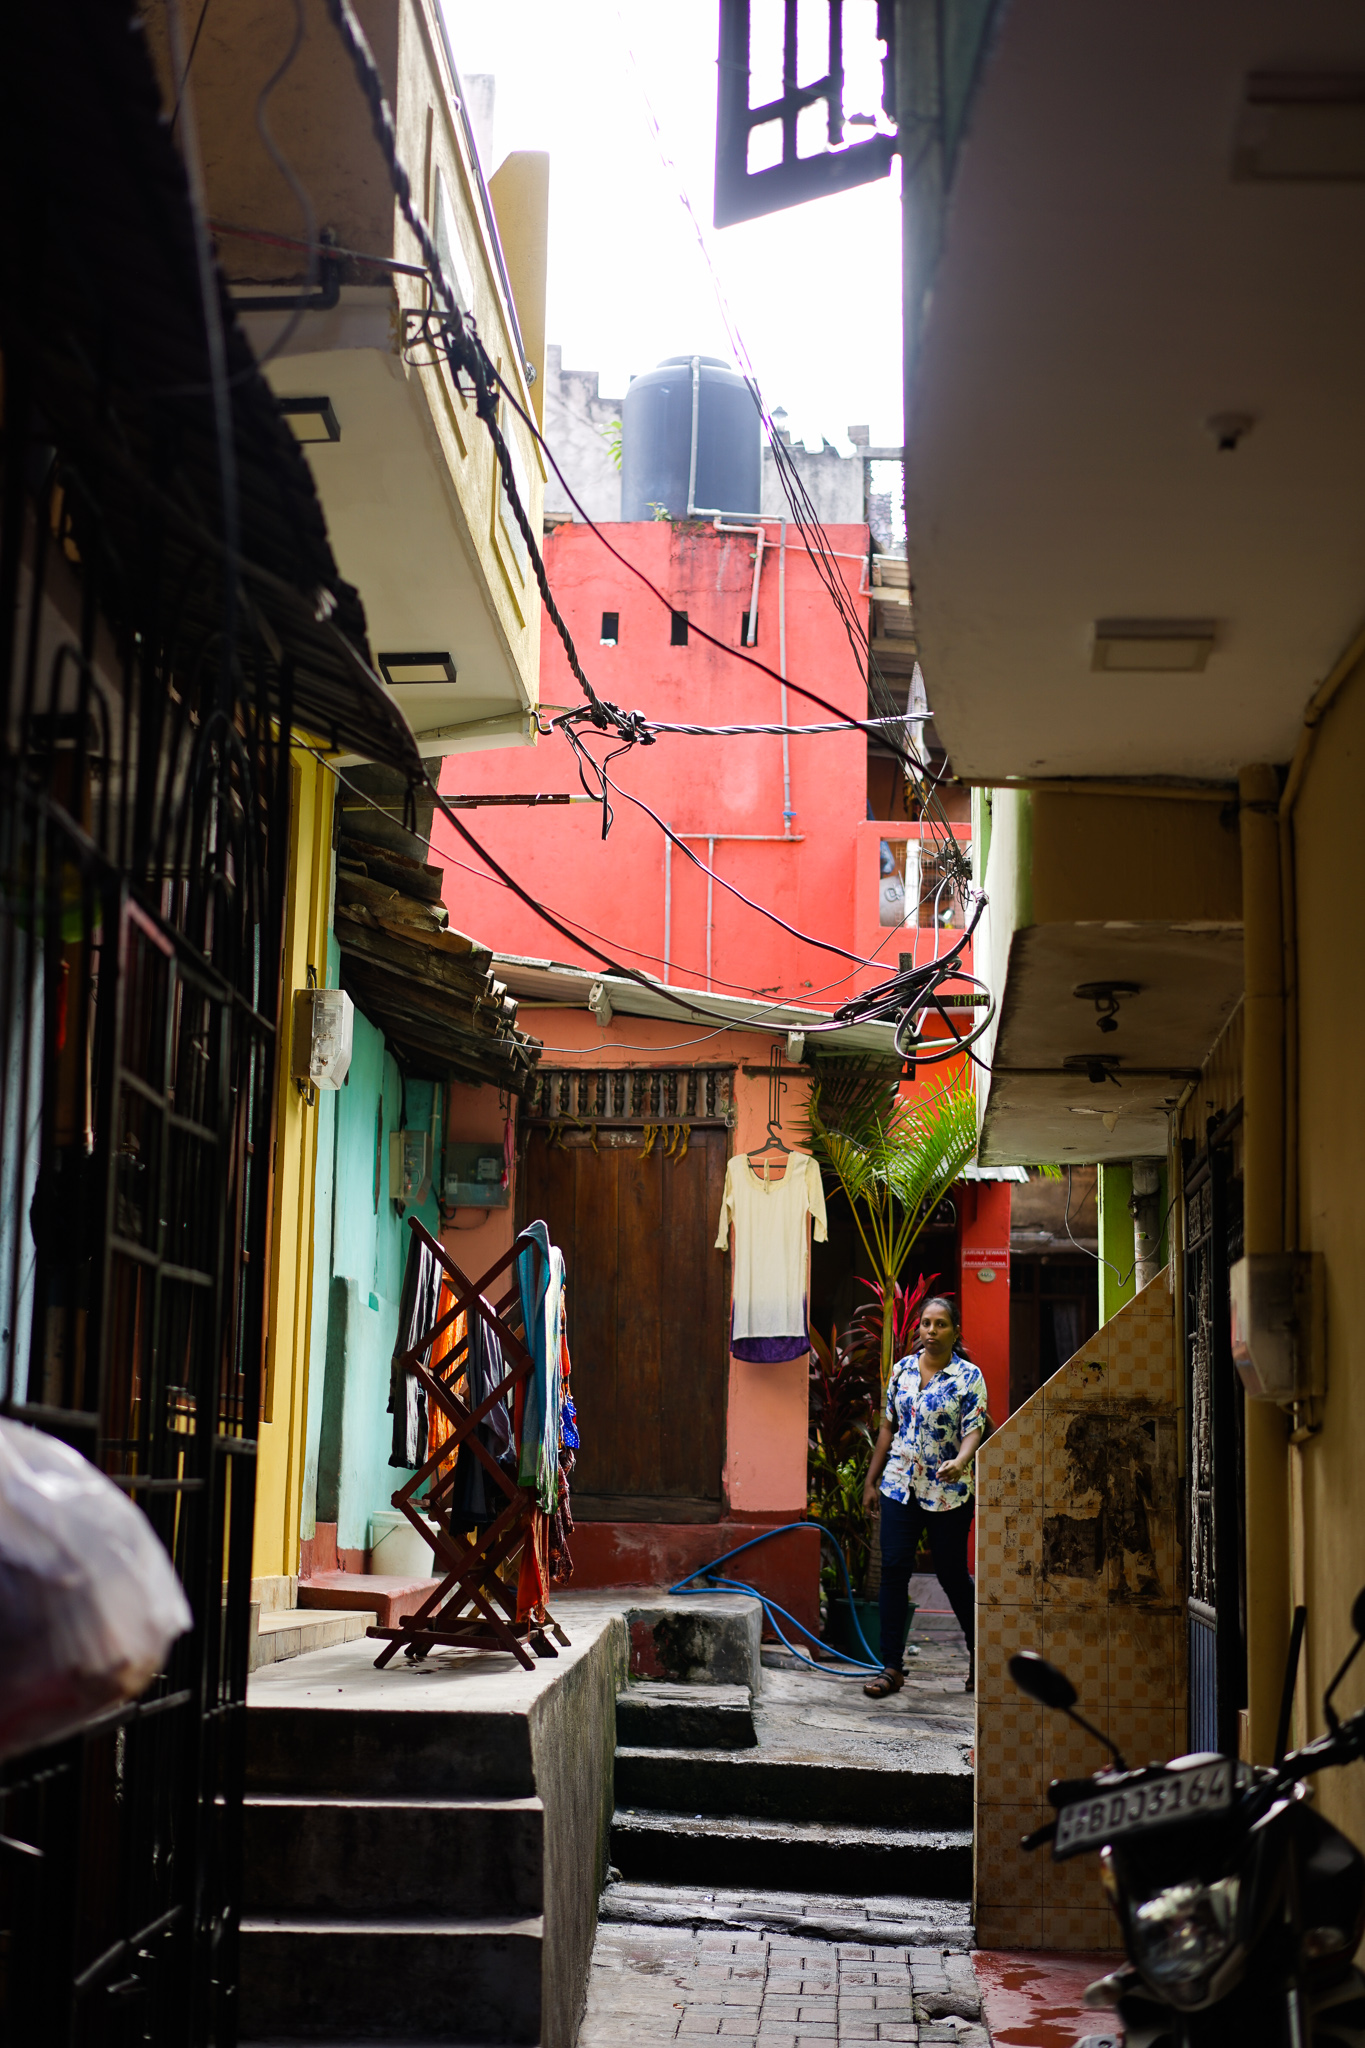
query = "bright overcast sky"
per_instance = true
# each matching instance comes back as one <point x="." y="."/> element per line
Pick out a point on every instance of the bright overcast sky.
<point x="815" y="291"/>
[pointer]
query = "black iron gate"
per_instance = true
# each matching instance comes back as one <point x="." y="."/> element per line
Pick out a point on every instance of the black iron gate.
<point x="1216" y="1602"/>
<point x="168" y="608"/>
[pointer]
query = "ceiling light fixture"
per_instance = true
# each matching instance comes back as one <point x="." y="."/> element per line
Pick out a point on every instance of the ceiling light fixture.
<point x="1152" y="646"/>
<point x="398" y="670"/>
<point x="1098" y="1067"/>
<point x="1106" y="996"/>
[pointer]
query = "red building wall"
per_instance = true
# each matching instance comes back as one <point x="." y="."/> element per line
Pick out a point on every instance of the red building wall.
<point x="818" y="869"/>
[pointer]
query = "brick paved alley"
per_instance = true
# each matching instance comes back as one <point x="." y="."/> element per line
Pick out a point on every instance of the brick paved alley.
<point x="657" y="1984"/>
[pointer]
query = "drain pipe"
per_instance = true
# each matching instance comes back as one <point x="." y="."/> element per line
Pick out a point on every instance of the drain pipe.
<point x="692" y="462"/>
<point x="760" y="540"/>
<point x="1146" y="1211"/>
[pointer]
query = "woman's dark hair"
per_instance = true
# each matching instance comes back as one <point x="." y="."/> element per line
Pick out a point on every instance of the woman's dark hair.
<point x="954" y="1315"/>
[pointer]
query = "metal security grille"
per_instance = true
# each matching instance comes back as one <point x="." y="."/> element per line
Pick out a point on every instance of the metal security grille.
<point x="632" y="1095"/>
<point x="168" y="606"/>
<point x="1214" y="1596"/>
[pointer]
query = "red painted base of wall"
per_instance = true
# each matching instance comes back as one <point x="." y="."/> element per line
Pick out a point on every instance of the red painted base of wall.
<point x="319" y="1553"/>
<point x="787" y="1568"/>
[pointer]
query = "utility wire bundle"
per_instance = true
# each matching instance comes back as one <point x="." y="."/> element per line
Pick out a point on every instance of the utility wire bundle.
<point x="450" y="333"/>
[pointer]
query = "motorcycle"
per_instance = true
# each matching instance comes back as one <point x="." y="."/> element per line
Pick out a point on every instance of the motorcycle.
<point x="1240" y="1907"/>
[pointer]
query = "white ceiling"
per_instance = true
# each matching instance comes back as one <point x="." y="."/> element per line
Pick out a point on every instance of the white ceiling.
<point x="1188" y="979"/>
<point x="1105" y="287"/>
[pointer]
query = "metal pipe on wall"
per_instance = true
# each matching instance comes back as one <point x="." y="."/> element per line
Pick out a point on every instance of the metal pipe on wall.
<point x="1267" y="1472"/>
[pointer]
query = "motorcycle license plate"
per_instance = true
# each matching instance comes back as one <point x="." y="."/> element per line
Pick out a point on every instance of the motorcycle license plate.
<point x="1155" y="1803"/>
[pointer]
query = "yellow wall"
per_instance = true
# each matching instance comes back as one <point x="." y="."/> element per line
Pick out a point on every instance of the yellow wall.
<point x="1133" y="857"/>
<point x="1329" y="858"/>
<point x="520" y="191"/>
<point x="279" y="1465"/>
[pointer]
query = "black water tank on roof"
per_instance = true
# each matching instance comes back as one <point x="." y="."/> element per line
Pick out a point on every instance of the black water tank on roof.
<point x="656" y="441"/>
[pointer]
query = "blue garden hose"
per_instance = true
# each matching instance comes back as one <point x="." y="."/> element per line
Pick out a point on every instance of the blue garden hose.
<point x="711" y="1584"/>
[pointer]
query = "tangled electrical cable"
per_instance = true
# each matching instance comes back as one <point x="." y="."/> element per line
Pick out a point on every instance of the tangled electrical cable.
<point x="452" y="335"/>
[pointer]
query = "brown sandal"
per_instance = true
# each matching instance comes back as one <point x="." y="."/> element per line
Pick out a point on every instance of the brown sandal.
<point x="884" y="1684"/>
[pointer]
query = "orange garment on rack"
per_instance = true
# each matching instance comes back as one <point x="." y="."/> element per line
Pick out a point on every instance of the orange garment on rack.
<point x="439" y="1426"/>
<point x="533" y="1580"/>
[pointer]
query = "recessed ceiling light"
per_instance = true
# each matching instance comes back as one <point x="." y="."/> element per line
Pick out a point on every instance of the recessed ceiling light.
<point x="1152" y="646"/>
<point x="313" y="419"/>
<point x="400" y="669"/>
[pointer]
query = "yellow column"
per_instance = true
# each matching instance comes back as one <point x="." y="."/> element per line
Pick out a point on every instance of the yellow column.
<point x="1267" y="1469"/>
<point x="280" y="1456"/>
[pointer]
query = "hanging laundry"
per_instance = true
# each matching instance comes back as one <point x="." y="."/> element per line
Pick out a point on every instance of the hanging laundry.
<point x="561" y="1523"/>
<point x="417" y="1312"/>
<point x="769" y="1218"/>
<point x="533" y="1580"/>
<point x="478" y="1499"/>
<point x="540" y="1275"/>
<point x="439" y="1426"/>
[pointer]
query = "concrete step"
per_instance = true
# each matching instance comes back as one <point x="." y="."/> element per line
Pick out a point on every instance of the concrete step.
<point x="895" y="1920"/>
<point x="656" y="1715"/>
<point x="430" y="1980"/>
<point x="697" y="1849"/>
<point x="386" y="1593"/>
<point x="764" y="1786"/>
<point x="423" y="1857"/>
<point x="383" y="1752"/>
<point x="283" y="1632"/>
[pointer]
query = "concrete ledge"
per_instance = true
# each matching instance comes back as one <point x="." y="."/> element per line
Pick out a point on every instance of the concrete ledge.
<point x="379" y="1593"/>
<point x="659" y="1554"/>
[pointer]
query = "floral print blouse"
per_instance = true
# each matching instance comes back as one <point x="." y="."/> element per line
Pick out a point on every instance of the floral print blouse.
<point x="930" y="1425"/>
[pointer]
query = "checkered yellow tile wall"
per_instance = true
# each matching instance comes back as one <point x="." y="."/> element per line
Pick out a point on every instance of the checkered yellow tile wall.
<point x="1078" y="1556"/>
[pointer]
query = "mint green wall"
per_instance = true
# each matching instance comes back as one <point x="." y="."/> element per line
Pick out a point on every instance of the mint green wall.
<point x="357" y="1294"/>
<point x="323" y="1198"/>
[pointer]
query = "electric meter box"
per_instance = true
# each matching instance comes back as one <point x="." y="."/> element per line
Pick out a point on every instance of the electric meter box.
<point x="324" y="1027"/>
<point x="1278" y="1336"/>
<point x="474" y="1177"/>
<point x="409" y="1167"/>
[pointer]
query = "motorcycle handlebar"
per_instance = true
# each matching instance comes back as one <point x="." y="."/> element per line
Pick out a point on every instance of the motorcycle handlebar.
<point x="1341" y="1746"/>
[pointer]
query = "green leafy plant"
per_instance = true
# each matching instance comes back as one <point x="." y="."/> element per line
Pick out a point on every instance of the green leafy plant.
<point x="894" y="1160"/>
<point x="611" y="434"/>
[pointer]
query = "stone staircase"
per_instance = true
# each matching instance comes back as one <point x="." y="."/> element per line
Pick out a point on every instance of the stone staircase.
<point x="423" y="1846"/>
<point x="715" y="1789"/>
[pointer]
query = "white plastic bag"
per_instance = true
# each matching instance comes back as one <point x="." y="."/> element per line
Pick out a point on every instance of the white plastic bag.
<point x="89" y="1601"/>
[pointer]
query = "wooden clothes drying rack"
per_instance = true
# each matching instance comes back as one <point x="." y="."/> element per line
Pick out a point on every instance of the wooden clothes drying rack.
<point x="472" y="1607"/>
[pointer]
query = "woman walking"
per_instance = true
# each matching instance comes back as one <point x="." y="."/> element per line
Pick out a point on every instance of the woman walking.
<point x="935" y="1418"/>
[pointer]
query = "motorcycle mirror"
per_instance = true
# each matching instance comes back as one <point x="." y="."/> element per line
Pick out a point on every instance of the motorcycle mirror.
<point x="1358" y="1624"/>
<point x="1042" y="1681"/>
<point x="1052" y="1688"/>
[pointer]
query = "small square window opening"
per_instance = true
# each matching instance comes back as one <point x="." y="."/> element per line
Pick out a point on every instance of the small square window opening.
<point x="611" y="628"/>
<point x="745" y="619"/>
<point x="678" y="636"/>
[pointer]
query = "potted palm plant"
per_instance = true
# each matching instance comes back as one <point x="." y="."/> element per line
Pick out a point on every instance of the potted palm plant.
<point x="894" y="1160"/>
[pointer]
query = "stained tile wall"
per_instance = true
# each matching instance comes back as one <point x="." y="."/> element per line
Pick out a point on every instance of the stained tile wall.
<point x="1078" y="1555"/>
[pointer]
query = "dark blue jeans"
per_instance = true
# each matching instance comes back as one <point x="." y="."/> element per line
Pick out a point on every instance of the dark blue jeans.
<point x="903" y="1523"/>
